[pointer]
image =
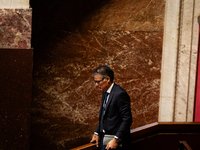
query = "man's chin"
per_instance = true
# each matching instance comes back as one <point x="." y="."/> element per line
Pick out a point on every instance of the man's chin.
<point x="100" y="89"/>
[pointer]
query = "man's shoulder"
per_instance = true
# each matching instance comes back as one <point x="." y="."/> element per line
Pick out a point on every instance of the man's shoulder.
<point x="118" y="88"/>
<point x="119" y="91"/>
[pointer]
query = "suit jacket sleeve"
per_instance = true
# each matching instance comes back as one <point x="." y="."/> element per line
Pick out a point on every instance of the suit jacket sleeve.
<point x="123" y="102"/>
<point x="97" y="130"/>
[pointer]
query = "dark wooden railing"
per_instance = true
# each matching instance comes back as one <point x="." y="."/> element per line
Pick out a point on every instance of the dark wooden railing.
<point x="184" y="145"/>
<point x="161" y="136"/>
<point x="89" y="146"/>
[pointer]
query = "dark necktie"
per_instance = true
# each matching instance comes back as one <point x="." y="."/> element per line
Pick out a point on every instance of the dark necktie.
<point x="105" y="99"/>
<point x="103" y="110"/>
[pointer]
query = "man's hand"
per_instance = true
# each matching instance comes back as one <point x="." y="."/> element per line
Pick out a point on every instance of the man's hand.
<point x="112" y="144"/>
<point x="95" y="138"/>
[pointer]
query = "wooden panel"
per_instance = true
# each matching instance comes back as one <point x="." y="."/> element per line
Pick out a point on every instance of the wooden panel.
<point x="89" y="146"/>
<point x="15" y="98"/>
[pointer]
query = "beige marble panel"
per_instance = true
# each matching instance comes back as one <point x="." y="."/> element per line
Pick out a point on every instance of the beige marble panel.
<point x="194" y="51"/>
<point x="169" y="59"/>
<point x="178" y="77"/>
<point x="12" y="4"/>
<point x="184" y="59"/>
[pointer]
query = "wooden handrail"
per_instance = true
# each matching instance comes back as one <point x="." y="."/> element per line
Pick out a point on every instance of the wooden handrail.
<point x="184" y="145"/>
<point x="89" y="146"/>
<point x="156" y="127"/>
<point x="165" y="127"/>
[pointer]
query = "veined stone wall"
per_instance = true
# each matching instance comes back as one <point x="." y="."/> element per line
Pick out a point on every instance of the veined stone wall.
<point x="16" y="24"/>
<point x="70" y="40"/>
<point x="15" y="30"/>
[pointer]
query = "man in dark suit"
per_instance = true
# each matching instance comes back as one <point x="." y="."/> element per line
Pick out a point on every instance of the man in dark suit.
<point x="115" y="116"/>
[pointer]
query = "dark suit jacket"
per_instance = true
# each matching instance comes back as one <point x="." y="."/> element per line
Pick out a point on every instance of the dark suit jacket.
<point x="117" y="118"/>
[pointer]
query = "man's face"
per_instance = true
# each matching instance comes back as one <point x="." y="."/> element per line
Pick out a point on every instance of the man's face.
<point x="101" y="83"/>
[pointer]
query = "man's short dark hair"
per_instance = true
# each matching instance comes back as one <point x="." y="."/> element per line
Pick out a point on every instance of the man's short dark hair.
<point x="104" y="71"/>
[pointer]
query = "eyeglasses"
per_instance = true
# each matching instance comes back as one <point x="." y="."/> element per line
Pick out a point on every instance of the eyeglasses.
<point x="98" y="81"/>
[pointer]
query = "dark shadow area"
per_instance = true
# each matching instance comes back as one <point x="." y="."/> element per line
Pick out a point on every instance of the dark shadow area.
<point x="15" y="94"/>
<point x="52" y="20"/>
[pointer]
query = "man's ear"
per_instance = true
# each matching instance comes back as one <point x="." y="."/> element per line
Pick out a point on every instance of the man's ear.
<point x="108" y="78"/>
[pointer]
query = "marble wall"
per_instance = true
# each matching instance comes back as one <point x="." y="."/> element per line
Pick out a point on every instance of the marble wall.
<point x="16" y="25"/>
<point x="70" y="40"/>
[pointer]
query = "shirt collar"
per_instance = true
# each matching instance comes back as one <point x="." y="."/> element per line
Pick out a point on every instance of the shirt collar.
<point x="110" y="88"/>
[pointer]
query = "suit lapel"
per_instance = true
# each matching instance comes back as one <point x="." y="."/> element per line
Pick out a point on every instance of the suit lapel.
<point x="110" y="97"/>
<point x="101" y="108"/>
